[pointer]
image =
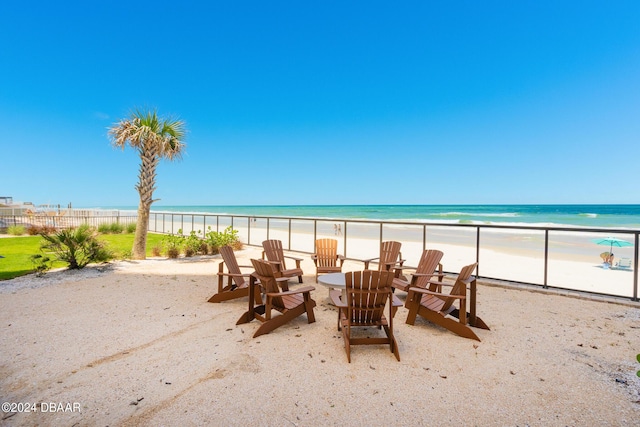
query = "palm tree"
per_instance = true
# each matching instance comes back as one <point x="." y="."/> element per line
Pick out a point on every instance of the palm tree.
<point x="155" y="138"/>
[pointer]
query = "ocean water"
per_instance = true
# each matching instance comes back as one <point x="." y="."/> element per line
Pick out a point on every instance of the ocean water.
<point x="615" y="216"/>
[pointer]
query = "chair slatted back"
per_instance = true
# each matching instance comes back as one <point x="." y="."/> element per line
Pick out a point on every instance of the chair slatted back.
<point x="327" y="252"/>
<point x="427" y="265"/>
<point x="274" y="252"/>
<point x="231" y="262"/>
<point x="367" y="294"/>
<point x="266" y="274"/>
<point x="460" y="287"/>
<point x="389" y="252"/>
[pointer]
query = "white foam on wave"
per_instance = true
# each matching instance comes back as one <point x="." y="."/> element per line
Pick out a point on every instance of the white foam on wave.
<point x="498" y="215"/>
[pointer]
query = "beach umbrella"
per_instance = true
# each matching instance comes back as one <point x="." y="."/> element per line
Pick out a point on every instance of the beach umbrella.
<point x="612" y="241"/>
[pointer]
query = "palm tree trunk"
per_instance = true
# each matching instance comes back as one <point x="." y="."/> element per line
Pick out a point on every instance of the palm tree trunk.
<point x="140" y="240"/>
<point x="146" y="186"/>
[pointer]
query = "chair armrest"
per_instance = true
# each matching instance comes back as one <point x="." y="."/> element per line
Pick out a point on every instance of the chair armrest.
<point x="395" y="301"/>
<point x="367" y="261"/>
<point x="438" y="294"/>
<point x="403" y="267"/>
<point x="337" y="301"/>
<point x="391" y="264"/>
<point x="435" y="282"/>
<point x="302" y="290"/>
<point x="297" y="260"/>
<point x="469" y="280"/>
<point x="425" y="274"/>
<point x="233" y="274"/>
<point x="278" y="264"/>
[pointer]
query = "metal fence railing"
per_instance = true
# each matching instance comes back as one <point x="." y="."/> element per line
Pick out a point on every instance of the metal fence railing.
<point x="548" y="257"/>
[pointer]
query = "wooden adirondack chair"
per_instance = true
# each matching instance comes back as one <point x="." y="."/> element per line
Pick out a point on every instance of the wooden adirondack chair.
<point x="326" y="257"/>
<point x="390" y="256"/>
<point x="435" y="306"/>
<point x="290" y="304"/>
<point x="367" y="293"/>
<point x="274" y="253"/>
<point x="237" y="282"/>
<point x="429" y="262"/>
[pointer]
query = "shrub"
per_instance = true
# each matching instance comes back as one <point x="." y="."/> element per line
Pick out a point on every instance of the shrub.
<point x="111" y="228"/>
<point x="131" y="227"/>
<point x="16" y="230"/>
<point x="34" y="230"/>
<point x="41" y="263"/>
<point x="116" y="228"/>
<point x="75" y="246"/>
<point x="192" y="244"/>
<point x="173" y="244"/>
<point x="156" y="250"/>
<point x="216" y="240"/>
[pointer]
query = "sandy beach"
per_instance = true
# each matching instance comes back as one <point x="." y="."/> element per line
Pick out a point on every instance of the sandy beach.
<point x="135" y="343"/>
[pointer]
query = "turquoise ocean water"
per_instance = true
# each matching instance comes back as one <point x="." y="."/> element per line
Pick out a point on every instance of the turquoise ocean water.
<point x="617" y="216"/>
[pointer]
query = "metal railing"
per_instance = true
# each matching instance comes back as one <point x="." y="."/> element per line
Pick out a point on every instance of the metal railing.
<point x="549" y="257"/>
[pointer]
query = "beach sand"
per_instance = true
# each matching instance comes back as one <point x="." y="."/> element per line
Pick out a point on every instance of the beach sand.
<point x="135" y="343"/>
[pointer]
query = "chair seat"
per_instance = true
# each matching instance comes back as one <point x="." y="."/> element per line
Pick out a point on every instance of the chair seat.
<point x="292" y="272"/>
<point x="432" y="302"/>
<point x="292" y="301"/>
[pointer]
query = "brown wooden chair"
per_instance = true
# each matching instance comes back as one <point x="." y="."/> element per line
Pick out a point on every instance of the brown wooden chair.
<point x="274" y="254"/>
<point x="367" y="293"/>
<point x="390" y="256"/>
<point x="290" y="304"/>
<point x="435" y="306"/>
<point x="326" y="257"/>
<point x="429" y="262"/>
<point x="237" y="282"/>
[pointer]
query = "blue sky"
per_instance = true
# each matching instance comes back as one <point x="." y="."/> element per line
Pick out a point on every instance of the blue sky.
<point x="332" y="102"/>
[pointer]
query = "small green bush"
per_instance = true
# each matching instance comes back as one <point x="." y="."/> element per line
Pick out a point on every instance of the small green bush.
<point x="131" y="227"/>
<point x="111" y="228"/>
<point x="16" y="230"/>
<point x="192" y="244"/>
<point x="173" y="244"/>
<point x="216" y="240"/>
<point x="41" y="264"/>
<point x="75" y="246"/>
<point x="116" y="228"/>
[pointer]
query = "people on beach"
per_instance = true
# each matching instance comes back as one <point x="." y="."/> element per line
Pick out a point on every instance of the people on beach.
<point x="607" y="259"/>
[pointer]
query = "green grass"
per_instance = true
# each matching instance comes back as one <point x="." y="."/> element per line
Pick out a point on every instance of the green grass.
<point x="18" y="250"/>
